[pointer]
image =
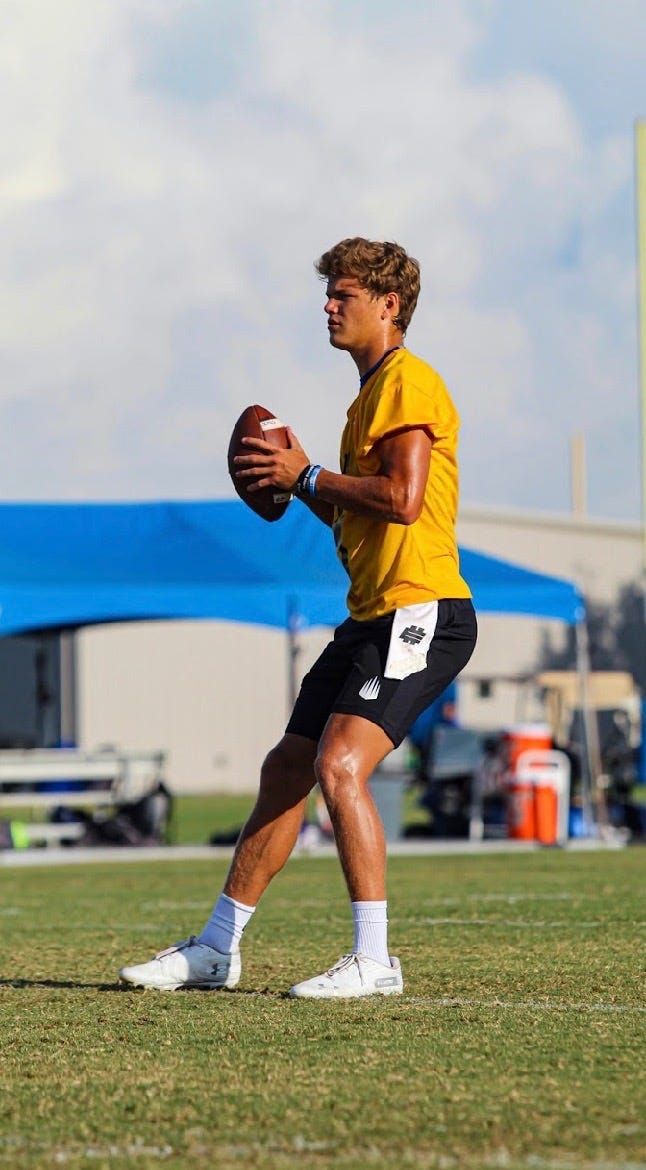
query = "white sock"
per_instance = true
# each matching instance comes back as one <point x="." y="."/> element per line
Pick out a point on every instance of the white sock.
<point x="371" y="930"/>
<point x="224" y="928"/>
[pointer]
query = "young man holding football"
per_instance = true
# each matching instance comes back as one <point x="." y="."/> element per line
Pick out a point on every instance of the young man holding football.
<point x="411" y="628"/>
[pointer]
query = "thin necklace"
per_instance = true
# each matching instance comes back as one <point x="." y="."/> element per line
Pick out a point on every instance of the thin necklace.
<point x="373" y="369"/>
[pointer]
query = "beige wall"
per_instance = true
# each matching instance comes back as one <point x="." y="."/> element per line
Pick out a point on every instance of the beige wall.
<point x="599" y="556"/>
<point x="214" y="696"/>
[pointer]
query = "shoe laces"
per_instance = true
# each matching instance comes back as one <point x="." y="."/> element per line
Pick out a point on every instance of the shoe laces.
<point x="178" y="946"/>
<point x="342" y="964"/>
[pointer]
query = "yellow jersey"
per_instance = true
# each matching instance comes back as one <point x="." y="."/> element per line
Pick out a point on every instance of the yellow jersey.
<point x="393" y="565"/>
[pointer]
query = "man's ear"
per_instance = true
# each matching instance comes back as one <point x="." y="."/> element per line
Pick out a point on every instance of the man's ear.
<point x="391" y="305"/>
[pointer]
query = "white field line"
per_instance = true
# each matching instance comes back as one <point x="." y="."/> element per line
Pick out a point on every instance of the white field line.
<point x="521" y="923"/>
<point x="133" y="1150"/>
<point x="129" y="854"/>
<point x="126" y="927"/>
<point x="61" y="1155"/>
<point x="523" y="1005"/>
<point x="509" y="898"/>
<point x="152" y="928"/>
<point x="370" y="1155"/>
<point x="187" y="905"/>
<point x="137" y="927"/>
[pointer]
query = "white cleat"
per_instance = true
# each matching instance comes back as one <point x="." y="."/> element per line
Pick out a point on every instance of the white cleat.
<point x="187" y="964"/>
<point x="352" y="976"/>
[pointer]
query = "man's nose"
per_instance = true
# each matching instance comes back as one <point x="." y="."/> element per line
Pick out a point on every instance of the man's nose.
<point x="329" y="306"/>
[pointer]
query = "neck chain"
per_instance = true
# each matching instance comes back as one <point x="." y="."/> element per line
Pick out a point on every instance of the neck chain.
<point x="373" y="369"/>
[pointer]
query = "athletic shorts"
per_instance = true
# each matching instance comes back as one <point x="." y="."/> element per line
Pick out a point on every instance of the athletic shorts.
<point x="387" y="670"/>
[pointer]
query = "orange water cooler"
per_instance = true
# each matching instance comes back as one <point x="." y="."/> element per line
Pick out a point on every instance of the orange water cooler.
<point x="538" y="789"/>
<point x="546" y="808"/>
<point x="526" y="737"/>
<point x="521" y="797"/>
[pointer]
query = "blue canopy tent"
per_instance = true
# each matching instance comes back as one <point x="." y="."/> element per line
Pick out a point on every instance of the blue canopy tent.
<point x="63" y="566"/>
<point x="69" y="565"/>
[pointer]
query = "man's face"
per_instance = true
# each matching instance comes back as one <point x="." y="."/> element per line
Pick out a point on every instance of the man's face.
<point x="355" y="317"/>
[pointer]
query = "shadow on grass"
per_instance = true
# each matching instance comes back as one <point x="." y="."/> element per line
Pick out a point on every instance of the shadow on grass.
<point x="75" y="985"/>
<point x="21" y="984"/>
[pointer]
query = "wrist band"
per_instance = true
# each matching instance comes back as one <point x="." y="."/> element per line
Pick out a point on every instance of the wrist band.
<point x="306" y="482"/>
<point x="300" y="485"/>
<point x="315" y="471"/>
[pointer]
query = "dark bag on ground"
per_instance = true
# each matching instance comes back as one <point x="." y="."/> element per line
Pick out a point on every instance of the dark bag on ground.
<point x="140" y="822"/>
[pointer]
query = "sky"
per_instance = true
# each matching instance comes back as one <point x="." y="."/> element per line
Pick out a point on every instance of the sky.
<point x="171" y="169"/>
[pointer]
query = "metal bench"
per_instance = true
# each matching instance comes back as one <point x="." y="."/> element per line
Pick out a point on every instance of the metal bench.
<point x="37" y="779"/>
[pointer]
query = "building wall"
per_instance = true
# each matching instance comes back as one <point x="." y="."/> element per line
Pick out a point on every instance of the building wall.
<point x="214" y="696"/>
<point x="599" y="556"/>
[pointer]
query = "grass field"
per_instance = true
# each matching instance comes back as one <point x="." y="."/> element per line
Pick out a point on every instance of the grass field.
<point x="516" y="1045"/>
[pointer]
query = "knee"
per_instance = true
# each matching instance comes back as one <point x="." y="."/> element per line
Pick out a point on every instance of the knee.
<point x="338" y="777"/>
<point x="283" y="772"/>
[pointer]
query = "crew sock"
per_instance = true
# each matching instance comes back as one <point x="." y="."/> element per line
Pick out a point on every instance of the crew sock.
<point x="224" y="928"/>
<point x="371" y="930"/>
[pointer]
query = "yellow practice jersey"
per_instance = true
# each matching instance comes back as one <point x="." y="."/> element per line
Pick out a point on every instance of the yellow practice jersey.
<point x="392" y="565"/>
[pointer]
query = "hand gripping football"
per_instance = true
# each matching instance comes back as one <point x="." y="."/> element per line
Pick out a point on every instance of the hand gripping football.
<point x="256" y="422"/>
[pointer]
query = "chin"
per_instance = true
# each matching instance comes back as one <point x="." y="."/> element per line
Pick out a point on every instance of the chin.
<point x="337" y="342"/>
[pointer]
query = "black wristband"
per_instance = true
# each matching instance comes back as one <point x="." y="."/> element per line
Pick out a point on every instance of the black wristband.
<point x="300" y="487"/>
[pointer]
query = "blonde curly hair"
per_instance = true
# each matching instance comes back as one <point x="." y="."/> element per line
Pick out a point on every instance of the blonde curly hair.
<point x="380" y="267"/>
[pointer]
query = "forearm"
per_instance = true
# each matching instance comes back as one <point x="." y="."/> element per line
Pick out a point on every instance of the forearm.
<point x="377" y="496"/>
<point x="395" y="494"/>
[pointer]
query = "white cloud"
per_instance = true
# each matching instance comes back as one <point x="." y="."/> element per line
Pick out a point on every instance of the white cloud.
<point x="170" y="174"/>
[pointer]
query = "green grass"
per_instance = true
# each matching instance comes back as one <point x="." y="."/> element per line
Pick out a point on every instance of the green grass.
<point x="516" y="1045"/>
<point x="196" y="818"/>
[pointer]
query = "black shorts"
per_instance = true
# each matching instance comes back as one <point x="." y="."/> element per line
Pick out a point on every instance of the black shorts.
<point x="351" y="675"/>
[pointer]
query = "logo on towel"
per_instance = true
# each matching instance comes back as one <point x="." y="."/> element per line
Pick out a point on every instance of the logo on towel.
<point x="370" y="689"/>
<point x="413" y="635"/>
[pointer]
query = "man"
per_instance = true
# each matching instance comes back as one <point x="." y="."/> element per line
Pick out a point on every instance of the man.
<point x="411" y="627"/>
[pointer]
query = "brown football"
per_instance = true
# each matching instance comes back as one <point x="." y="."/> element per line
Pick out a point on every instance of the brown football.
<point x="256" y="422"/>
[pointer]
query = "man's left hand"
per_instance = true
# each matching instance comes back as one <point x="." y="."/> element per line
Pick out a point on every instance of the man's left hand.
<point x="271" y="466"/>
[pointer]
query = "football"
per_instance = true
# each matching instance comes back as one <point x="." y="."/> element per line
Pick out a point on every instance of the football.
<point x="256" y="422"/>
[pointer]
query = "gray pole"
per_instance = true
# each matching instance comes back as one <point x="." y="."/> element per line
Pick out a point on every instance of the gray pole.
<point x="293" y="650"/>
<point x="593" y="790"/>
<point x="68" y="691"/>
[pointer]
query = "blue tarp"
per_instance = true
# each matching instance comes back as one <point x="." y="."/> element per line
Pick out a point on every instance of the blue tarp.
<point x="67" y="565"/>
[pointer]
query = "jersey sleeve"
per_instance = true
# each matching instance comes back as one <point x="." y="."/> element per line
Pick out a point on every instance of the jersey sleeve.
<point x="403" y="405"/>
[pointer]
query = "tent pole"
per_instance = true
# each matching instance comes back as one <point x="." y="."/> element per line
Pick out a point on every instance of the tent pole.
<point x="293" y="650"/>
<point x="68" y="683"/>
<point x="593" y="790"/>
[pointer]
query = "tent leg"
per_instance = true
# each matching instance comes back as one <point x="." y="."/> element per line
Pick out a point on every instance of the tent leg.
<point x="68" y="673"/>
<point x="593" y="786"/>
<point x="293" y="651"/>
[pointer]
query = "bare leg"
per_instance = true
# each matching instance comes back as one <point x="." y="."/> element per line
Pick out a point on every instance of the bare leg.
<point x="349" y="751"/>
<point x="270" y="833"/>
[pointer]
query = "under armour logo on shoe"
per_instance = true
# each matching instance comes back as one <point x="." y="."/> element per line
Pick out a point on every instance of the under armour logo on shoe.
<point x="370" y="689"/>
<point x="413" y="635"/>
